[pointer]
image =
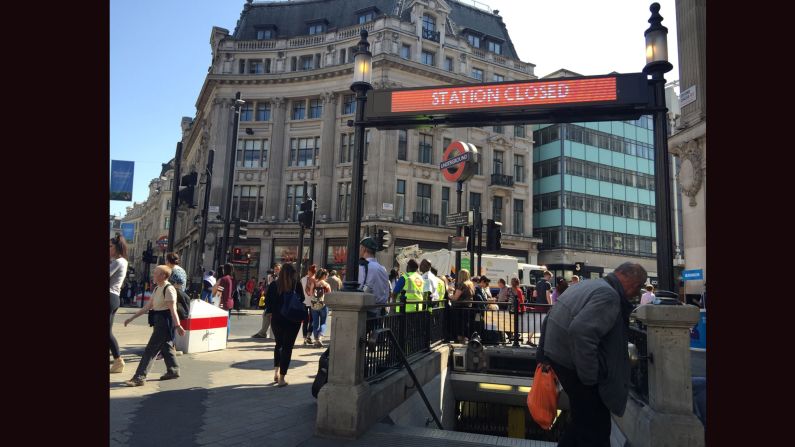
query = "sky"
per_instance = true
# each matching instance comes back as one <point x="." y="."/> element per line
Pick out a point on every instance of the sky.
<point x="160" y="53"/>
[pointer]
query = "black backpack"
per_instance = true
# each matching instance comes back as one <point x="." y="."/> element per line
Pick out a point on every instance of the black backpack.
<point x="183" y="303"/>
<point x="236" y="299"/>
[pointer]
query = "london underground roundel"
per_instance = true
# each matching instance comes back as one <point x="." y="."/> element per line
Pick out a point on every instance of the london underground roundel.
<point x="459" y="162"/>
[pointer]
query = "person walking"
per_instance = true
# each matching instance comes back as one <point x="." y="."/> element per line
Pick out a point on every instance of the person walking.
<point x="319" y="308"/>
<point x="226" y="286"/>
<point x="543" y="294"/>
<point x="307" y="289"/>
<point x="118" y="271"/>
<point x="178" y="276"/>
<point x="284" y="330"/>
<point x="585" y="341"/>
<point x="163" y="305"/>
<point x="334" y="281"/>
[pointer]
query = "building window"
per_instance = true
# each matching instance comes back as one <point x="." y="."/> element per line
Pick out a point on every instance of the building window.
<point x="263" y="111"/>
<point x="264" y="34"/>
<point x="495" y="47"/>
<point x="252" y="153"/>
<point x="246" y="201"/>
<point x="402" y="144"/>
<point x="366" y="17"/>
<point x="518" y="216"/>
<point x="448" y="64"/>
<point x="405" y="51"/>
<point x="473" y="40"/>
<point x="348" y="104"/>
<point x="427" y="58"/>
<point x="519" y="131"/>
<point x="168" y="205"/>
<point x="299" y="110"/>
<point x="304" y="151"/>
<point x="474" y="200"/>
<point x="425" y="149"/>
<point x="498" y="160"/>
<point x="295" y="195"/>
<point x="242" y="66"/>
<point x="445" y="204"/>
<point x="316" y="28"/>
<point x="315" y="108"/>
<point x="518" y="168"/>
<point x="255" y="66"/>
<point x="247" y="112"/>
<point x="499" y="78"/>
<point x="367" y="135"/>
<point x="423" y="198"/>
<point x="306" y="63"/>
<point x="400" y="200"/>
<point x="496" y="208"/>
<point x="166" y="222"/>
<point x="479" y="164"/>
<point x="477" y="73"/>
<point x="344" y="201"/>
<point x="428" y="23"/>
<point x="346" y="147"/>
<point x="496" y="129"/>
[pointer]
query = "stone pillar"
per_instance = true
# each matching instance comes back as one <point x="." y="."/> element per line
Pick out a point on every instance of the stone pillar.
<point x="668" y="419"/>
<point x="278" y="160"/>
<point x="328" y="139"/>
<point x="342" y="402"/>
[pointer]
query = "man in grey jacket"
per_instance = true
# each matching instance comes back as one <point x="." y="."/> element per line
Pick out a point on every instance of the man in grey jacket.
<point x="585" y="341"/>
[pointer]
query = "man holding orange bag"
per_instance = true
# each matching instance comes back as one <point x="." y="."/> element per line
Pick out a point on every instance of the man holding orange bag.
<point x="586" y="345"/>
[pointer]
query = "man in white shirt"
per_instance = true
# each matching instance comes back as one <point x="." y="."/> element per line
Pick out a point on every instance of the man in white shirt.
<point x="430" y="287"/>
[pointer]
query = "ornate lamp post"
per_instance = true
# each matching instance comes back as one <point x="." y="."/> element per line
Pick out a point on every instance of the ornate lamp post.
<point x="362" y="77"/>
<point x="657" y="65"/>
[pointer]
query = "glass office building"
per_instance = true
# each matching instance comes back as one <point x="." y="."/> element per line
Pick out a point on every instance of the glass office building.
<point x="593" y="195"/>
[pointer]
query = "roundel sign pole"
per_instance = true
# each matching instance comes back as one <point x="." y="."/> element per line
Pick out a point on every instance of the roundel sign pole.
<point x="459" y="164"/>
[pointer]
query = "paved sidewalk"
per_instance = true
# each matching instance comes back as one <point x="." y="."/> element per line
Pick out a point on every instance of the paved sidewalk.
<point x="222" y="398"/>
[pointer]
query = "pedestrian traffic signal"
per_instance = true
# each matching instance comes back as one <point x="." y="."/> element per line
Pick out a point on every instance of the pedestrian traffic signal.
<point x="187" y="193"/>
<point x="493" y="235"/>
<point x="237" y="254"/>
<point x="307" y="214"/>
<point x="384" y="239"/>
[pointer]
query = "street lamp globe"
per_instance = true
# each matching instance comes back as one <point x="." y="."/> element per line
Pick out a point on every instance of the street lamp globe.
<point x="656" y="43"/>
<point x="362" y="62"/>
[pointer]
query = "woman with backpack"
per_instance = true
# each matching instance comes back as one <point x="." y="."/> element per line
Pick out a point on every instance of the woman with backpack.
<point x="319" y="309"/>
<point x="284" y="330"/>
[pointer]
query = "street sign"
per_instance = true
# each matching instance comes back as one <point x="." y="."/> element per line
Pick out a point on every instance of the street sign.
<point x="457" y="243"/>
<point x="455" y="160"/>
<point x="162" y="242"/>
<point x="692" y="275"/>
<point x="459" y="161"/>
<point x="464" y="218"/>
<point x="215" y="209"/>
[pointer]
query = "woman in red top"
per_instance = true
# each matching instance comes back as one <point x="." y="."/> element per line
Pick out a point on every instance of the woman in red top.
<point x="518" y="292"/>
<point x="226" y="293"/>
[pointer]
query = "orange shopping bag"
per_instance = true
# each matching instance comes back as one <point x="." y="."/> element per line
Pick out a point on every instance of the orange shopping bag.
<point x="542" y="400"/>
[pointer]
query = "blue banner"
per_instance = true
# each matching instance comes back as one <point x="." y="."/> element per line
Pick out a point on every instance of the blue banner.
<point x="692" y="275"/>
<point x="128" y="231"/>
<point x="121" y="179"/>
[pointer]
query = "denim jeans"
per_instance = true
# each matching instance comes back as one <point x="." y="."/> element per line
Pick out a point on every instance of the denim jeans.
<point x="207" y="295"/>
<point x="319" y="322"/>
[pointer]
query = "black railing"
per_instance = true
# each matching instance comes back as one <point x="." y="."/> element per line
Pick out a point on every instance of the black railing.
<point x="416" y="332"/>
<point x="501" y="180"/>
<point x="420" y="329"/>
<point x="430" y="35"/>
<point x="639" y="358"/>
<point x="425" y="218"/>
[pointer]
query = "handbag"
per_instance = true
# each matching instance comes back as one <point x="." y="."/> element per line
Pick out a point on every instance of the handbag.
<point x="318" y="304"/>
<point x="542" y="400"/>
<point x="293" y="308"/>
<point x="261" y="302"/>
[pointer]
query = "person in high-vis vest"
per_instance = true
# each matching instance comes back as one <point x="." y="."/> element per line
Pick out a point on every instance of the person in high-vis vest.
<point x="410" y="285"/>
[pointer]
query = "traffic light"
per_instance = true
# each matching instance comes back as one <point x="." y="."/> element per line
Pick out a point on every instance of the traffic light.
<point x="237" y="254"/>
<point x="307" y="214"/>
<point x="187" y="195"/>
<point x="493" y="235"/>
<point x="149" y="257"/>
<point x="241" y="229"/>
<point x="384" y="239"/>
